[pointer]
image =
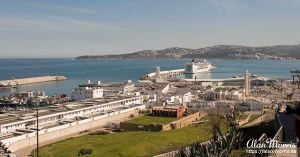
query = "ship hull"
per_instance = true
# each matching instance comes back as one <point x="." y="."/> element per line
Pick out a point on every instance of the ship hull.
<point x="192" y="68"/>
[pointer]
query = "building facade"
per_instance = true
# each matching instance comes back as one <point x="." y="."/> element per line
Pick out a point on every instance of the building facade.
<point x="81" y="93"/>
<point x="247" y="84"/>
<point x="75" y="110"/>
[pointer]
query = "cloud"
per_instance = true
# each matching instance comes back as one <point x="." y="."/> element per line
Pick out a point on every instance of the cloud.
<point x="67" y="8"/>
<point x="56" y="23"/>
<point x="295" y="1"/>
<point x="231" y="5"/>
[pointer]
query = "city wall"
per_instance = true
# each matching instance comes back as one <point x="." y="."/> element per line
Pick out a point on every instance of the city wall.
<point x="183" y="122"/>
<point x="140" y="127"/>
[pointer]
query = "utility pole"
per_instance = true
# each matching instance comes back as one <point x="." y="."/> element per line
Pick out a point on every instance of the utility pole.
<point x="37" y="127"/>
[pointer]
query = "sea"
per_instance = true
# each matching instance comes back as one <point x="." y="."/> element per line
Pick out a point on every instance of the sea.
<point x="108" y="71"/>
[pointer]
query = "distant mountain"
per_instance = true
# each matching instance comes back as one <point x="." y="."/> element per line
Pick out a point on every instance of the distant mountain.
<point x="280" y="52"/>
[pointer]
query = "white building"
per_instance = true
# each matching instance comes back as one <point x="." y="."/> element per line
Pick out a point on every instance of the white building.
<point x="247" y="84"/>
<point x="61" y="113"/>
<point x="158" y="78"/>
<point x="119" y="88"/>
<point x="152" y="97"/>
<point x="81" y="93"/>
<point x="181" y="99"/>
<point x="198" y="106"/>
<point x="186" y="98"/>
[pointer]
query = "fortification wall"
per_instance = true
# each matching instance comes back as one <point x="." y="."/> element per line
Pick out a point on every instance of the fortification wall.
<point x="139" y="127"/>
<point x="183" y="122"/>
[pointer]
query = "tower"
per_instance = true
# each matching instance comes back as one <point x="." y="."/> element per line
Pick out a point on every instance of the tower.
<point x="157" y="74"/>
<point x="247" y="84"/>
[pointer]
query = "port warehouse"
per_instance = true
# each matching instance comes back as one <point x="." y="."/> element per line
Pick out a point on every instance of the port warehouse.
<point x="68" y="115"/>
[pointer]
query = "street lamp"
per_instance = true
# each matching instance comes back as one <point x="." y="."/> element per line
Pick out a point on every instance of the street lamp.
<point x="37" y="128"/>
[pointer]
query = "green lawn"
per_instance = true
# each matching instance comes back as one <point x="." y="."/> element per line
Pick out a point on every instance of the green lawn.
<point x="254" y="116"/>
<point x="129" y="144"/>
<point x="147" y="119"/>
<point x="243" y="116"/>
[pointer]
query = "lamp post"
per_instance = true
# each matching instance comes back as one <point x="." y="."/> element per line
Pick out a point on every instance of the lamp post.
<point x="37" y="128"/>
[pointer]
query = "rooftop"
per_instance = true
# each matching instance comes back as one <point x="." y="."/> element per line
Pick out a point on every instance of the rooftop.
<point x="14" y="116"/>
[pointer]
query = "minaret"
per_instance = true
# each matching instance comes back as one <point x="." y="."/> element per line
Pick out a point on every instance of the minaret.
<point x="157" y="74"/>
<point x="247" y="84"/>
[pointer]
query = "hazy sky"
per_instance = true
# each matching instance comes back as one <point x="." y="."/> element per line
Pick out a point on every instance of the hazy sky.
<point x="68" y="28"/>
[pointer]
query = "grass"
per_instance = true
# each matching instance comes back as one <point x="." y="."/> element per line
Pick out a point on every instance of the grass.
<point x="254" y="116"/>
<point x="243" y="116"/>
<point x="129" y="144"/>
<point x="239" y="153"/>
<point x="147" y="119"/>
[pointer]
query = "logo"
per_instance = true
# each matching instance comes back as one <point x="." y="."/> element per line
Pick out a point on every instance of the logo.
<point x="270" y="146"/>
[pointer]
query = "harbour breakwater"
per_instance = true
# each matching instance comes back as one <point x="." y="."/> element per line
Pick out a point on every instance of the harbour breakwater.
<point x="165" y="74"/>
<point x="31" y="80"/>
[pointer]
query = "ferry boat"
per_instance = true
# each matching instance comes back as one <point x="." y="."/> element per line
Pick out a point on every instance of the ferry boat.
<point x="295" y="71"/>
<point x="197" y="67"/>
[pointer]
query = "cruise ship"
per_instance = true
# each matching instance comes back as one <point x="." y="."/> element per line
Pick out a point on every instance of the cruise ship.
<point x="197" y="67"/>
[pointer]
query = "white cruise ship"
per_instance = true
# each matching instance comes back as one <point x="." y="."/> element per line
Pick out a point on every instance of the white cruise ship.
<point x="197" y="67"/>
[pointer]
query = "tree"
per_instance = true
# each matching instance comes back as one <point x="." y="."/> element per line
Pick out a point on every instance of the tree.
<point x="221" y="143"/>
<point x="131" y="116"/>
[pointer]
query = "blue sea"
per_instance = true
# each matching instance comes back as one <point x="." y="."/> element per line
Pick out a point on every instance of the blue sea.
<point x="77" y="71"/>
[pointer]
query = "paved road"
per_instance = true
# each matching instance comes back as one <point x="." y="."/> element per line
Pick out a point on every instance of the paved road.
<point x="288" y="124"/>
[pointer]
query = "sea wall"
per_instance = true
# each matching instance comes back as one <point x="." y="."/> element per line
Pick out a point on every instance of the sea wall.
<point x="23" y="81"/>
<point x="166" y="74"/>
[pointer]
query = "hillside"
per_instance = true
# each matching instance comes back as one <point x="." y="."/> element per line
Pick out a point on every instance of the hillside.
<point x="280" y="52"/>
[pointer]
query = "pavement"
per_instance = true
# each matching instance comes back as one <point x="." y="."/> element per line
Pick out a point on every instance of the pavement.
<point x="26" y="152"/>
<point x="258" y="120"/>
<point x="288" y="125"/>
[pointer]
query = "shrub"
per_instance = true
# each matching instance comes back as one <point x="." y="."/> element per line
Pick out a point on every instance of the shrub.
<point x="85" y="151"/>
<point x="99" y="133"/>
<point x="239" y="153"/>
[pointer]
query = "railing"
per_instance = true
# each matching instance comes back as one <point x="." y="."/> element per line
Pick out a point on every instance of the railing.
<point x="279" y="136"/>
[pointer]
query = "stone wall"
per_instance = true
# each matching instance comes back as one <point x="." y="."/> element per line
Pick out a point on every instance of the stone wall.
<point x="182" y="122"/>
<point x="138" y="127"/>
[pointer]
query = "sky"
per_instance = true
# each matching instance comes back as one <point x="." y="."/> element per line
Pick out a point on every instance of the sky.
<point x="69" y="28"/>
